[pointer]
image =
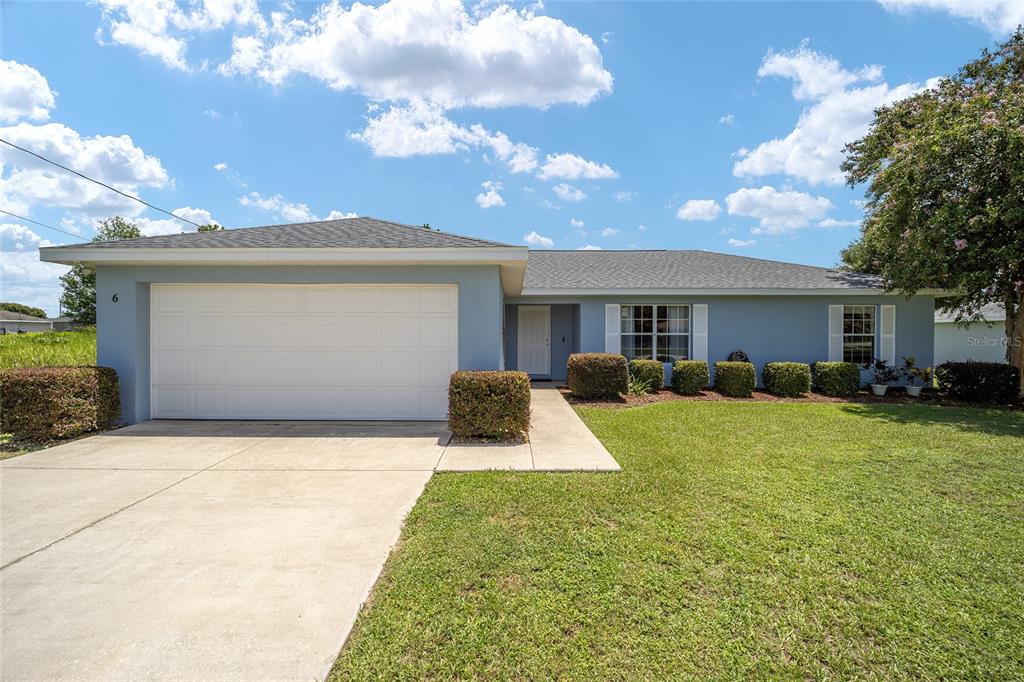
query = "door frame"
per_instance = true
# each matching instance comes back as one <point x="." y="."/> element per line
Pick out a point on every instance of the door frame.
<point x="520" y="359"/>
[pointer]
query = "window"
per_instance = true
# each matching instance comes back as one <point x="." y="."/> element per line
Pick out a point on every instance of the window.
<point x="859" y="333"/>
<point x="660" y="332"/>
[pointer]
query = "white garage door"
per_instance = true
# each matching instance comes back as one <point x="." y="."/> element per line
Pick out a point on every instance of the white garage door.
<point x="296" y="351"/>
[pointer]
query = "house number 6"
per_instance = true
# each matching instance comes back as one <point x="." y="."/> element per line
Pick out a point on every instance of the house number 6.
<point x="114" y="298"/>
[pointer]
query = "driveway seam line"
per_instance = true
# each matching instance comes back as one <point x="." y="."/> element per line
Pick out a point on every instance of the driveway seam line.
<point x="118" y="511"/>
<point x="443" y="450"/>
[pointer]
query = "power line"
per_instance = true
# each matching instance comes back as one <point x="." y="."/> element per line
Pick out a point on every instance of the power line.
<point x="50" y="227"/>
<point x="101" y="184"/>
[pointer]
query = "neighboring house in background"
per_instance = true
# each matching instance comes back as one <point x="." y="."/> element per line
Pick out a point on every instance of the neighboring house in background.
<point x="982" y="341"/>
<point x="366" y="319"/>
<point x="13" y="323"/>
<point x="64" y="323"/>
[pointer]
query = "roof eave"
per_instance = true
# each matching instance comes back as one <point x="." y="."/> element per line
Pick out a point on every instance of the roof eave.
<point x="761" y="291"/>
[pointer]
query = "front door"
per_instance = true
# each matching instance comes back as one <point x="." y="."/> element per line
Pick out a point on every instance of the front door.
<point x="534" y="345"/>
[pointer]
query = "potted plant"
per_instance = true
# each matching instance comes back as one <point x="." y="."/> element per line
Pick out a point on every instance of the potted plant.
<point x="883" y="376"/>
<point x="917" y="378"/>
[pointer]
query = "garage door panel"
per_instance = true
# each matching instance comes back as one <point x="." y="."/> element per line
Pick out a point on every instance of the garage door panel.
<point x="302" y="351"/>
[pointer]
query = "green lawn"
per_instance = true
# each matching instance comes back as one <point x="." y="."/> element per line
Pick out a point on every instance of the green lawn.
<point x="48" y="349"/>
<point x="741" y="540"/>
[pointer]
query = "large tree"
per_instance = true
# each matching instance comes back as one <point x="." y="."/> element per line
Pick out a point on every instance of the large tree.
<point x="23" y="309"/>
<point x="79" y="297"/>
<point x="945" y="192"/>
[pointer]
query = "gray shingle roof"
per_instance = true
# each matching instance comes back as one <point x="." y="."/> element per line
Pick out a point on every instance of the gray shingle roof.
<point x="344" y="233"/>
<point x="8" y="316"/>
<point x="679" y="270"/>
<point x="993" y="312"/>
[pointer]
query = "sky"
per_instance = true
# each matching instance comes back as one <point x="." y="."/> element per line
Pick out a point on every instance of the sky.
<point x="612" y="125"/>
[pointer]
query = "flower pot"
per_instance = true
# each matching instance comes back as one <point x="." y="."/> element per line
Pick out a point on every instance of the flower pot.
<point x="879" y="389"/>
<point x="914" y="391"/>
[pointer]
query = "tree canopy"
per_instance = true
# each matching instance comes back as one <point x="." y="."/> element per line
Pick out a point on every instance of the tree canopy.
<point x="23" y="309"/>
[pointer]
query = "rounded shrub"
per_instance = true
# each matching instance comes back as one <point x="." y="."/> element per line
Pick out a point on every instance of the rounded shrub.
<point x="45" y="403"/>
<point x="979" y="381"/>
<point x="787" y="379"/>
<point x="690" y="376"/>
<point x="735" y="379"/>
<point x="649" y="373"/>
<point x="837" y="379"/>
<point x="489" y="404"/>
<point x="597" y="375"/>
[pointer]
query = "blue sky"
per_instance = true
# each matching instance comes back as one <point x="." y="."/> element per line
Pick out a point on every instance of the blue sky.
<point x="566" y="125"/>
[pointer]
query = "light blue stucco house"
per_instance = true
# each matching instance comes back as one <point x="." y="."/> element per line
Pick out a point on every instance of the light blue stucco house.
<point x="982" y="341"/>
<point x="366" y="319"/>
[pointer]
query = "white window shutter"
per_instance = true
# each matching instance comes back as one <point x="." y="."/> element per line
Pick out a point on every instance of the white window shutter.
<point x="612" y="343"/>
<point x="700" y="332"/>
<point x="887" y="349"/>
<point x="835" y="333"/>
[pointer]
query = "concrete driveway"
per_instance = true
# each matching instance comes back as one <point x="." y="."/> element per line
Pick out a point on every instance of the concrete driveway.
<point x="200" y="550"/>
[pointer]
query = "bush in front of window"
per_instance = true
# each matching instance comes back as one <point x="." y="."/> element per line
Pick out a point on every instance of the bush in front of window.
<point x="597" y="375"/>
<point x="689" y="377"/>
<point x="837" y="379"/>
<point x="979" y="381"/>
<point x="735" y="379"/>
<point x="484" y="404"/>
<point x="47" y="403"/>
<point x="649" y="373"/>
<point x="787" y="379"/>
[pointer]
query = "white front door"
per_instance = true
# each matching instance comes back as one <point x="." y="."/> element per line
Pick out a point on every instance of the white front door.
<point x="534" y="343"/>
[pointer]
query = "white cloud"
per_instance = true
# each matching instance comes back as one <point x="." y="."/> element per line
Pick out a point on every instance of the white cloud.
<point x="727" y="120"/>
<point x="777" y="211"/>
<point x="624" y="196"/>
<point x="535" y="239"/>
<point x="609" y="232"/>
<point x="998" y="16"/>
<point x="699" y="209"/>
<point x="25" y="278"/>
<point x="568" y="192"/>
<point x="577" y="223"/>
<point x="572" y="167"/>
<point x="490" y="197"/>
<point x="832" y="223"/>
<point x="24" y="93"/>
<point x="641" y="227"/>
<point x="741" y="242"/>
<point x="155" y="226"/>
<point x="589" y="247"/>
<point x="160" y="28"/>
<point x="335" y="214"/>
<point x="813" y="150"/>
<point x="222" y="167"/>
<point x="26" y="181"/>
<point x="607" y="37"/>
<point x="437" y="51"/>
<point x="292" y="212"/>
<point x="211" y="113"/>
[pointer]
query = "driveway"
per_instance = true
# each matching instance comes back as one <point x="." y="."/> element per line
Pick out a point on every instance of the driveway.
<point x="201" y="550"/>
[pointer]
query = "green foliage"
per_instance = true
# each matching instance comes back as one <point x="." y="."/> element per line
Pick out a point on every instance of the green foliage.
<point x="735" y="379"/>
<point x="23" y="309"/>
<point x="915" y="376"/>
<point x="597" y="375"/>
<point x="645" y="376"/>
<point x="978" y="381"/>
<point x="787" y="379"/>
<point x="489" y="404"/>
<point x="79" y="297"/>
<point x="837" y="379"/>
<point x="46" y="403"/>
<point x="209" y="227"/>
<point x="883" y="373"/>
<point x="48" y="349"/>
<point x="689" y="377"/>
<point x="945" y="190"/>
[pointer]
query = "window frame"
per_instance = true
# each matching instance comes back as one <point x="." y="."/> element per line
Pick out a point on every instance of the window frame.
<point x="654" y="335"/>
<point x="861" y="336"/>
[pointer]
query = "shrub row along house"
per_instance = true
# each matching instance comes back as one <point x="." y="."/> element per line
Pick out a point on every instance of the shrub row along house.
<point x="367" y="319"/>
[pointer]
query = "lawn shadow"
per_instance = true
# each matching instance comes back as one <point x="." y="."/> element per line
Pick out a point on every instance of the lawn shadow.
<point x="988" y="420"/>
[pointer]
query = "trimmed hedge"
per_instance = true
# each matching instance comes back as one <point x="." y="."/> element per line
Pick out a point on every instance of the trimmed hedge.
<point x="787" y="379"/>
<point x="837" y="379"/>
<point x="46" y="403"/>
<point x="489" y="404"/>
<point x="597" y="375"/>
<point x="735" y="379"/>
<point x="979" y="381"/>
<point x="650" y="372"/>
<point x="690" y="376"/>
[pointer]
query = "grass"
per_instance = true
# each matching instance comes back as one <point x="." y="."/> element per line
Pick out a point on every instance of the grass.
<point x="741" y="540"/>
<point x="48" y="349"/>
